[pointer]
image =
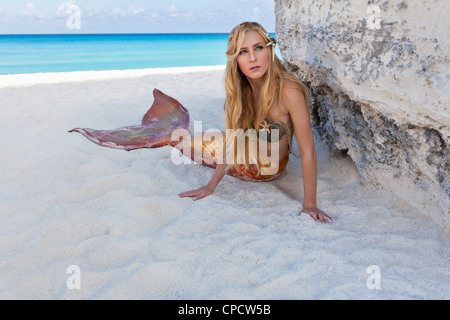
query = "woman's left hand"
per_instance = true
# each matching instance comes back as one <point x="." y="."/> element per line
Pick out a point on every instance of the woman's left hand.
<point x="317" y="215"/>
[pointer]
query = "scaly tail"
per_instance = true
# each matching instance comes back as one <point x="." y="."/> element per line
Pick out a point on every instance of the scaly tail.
<point x="164" y="116"/>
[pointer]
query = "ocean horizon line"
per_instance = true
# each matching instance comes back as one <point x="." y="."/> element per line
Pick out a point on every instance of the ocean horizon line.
<point x="117" y="33"/>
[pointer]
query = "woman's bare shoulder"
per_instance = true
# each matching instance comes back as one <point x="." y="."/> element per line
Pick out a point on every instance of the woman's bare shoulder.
<point x="290" y="84"/>
<point x="292" y="94"/>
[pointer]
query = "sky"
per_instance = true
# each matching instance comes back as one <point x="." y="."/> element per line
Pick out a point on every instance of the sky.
<point x="132" y="16"/>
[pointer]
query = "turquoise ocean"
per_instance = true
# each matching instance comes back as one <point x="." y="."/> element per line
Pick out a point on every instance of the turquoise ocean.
<point x="86" y="52"/>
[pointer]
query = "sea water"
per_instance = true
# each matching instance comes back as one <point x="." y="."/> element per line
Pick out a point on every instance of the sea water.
<point x="85" y="52"/>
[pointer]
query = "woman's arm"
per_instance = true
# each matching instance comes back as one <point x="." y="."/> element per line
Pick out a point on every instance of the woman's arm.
<point x="294" y="102"/>
<point x="309" y="171"/>
<point x="209" y="188"/>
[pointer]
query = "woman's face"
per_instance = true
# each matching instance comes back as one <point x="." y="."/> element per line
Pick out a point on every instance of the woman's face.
<point x="253" y="58"/>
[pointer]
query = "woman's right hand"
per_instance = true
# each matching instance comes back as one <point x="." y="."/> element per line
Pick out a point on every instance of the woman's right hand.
<point x="209" y="188"/>
<point x="197" y="194"/>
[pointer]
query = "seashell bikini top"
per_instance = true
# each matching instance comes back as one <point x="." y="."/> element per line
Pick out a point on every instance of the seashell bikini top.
<point x="266" y="128"/>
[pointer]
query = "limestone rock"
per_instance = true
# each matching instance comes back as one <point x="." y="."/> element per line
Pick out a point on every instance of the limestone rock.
<point x="378" y="73"/>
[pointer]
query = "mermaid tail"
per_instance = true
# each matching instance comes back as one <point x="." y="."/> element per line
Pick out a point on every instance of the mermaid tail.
<point x="165" y="116"/>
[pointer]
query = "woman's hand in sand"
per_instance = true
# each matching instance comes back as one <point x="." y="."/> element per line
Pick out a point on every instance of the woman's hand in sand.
<point x="316" y="214"/>
<point x="197" y="193"/>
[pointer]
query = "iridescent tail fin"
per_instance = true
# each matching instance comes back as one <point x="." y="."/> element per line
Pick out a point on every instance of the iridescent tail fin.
<point x="164" y="116"/>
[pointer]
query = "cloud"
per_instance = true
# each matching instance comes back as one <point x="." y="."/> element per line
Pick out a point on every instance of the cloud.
<point x="65" y="9"/>
<point x="257" y="13"/>
<point x="31" y="12"/>
<point x="173" y="8"/>
<point x="132" y="10"/>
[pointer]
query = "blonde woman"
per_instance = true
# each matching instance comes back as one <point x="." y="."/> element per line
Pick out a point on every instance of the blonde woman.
<point x="265" y="106"/>
<point x="260" y="93"/>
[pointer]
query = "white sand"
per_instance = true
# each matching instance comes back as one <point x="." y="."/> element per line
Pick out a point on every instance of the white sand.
<point x="116" y="215"/>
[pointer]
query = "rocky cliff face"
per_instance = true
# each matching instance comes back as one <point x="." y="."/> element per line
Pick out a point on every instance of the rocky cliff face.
<point x="378" y="73"/>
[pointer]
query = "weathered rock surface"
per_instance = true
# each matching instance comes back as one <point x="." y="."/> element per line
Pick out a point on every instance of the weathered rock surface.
<point x="378" y="72"/>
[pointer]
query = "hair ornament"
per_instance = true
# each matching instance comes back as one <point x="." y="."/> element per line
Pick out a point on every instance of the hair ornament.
<point x="272" y="42"/>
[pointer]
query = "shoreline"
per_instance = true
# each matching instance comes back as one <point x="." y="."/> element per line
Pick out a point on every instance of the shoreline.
<point x="29" y="79"/>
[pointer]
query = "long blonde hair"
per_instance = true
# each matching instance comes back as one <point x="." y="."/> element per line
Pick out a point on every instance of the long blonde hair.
<point x="240" y="110"/>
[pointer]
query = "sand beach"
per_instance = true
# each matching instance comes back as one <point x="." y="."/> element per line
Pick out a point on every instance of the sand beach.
<point x="115" y="215"/>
